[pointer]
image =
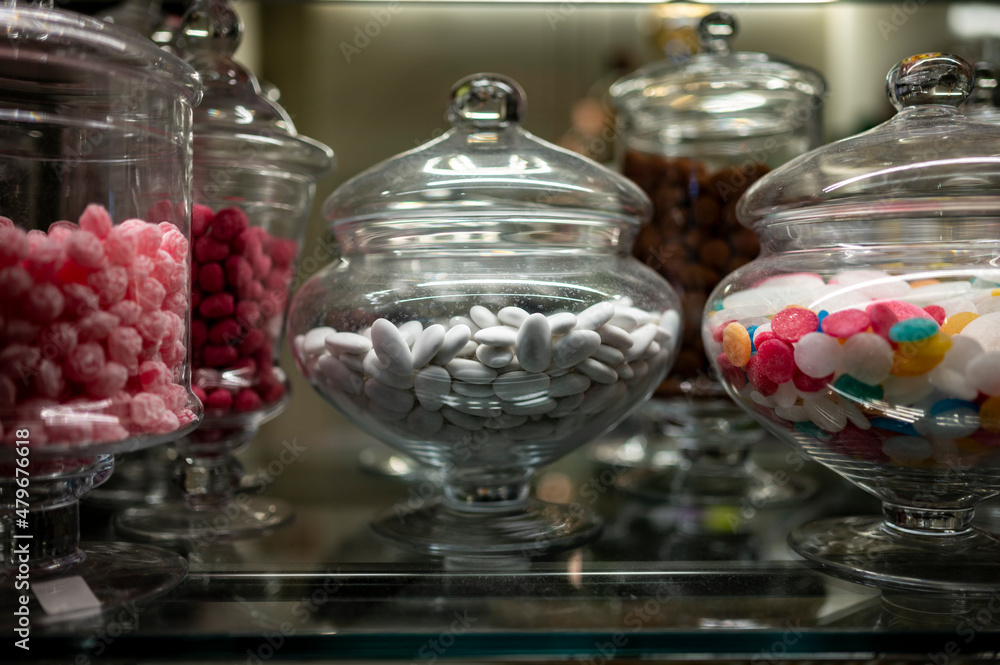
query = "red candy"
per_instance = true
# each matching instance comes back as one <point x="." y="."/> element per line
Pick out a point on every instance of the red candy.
<point x="808" y="384"/>
<point x="776" y="360"/>
<point x="793" y="323"/>
<point x="228" y="223"/>
<point x="883" y="318"/>
<point x="247" y="400"/>
<point x="845" y="323"/>
<point x="757" y="377"/>
<point x="211" y="277"/>
<point x="937" y="313"/>
<point x="241" y="275"/>
<point x="217" y="306"/>
<point x="731" y="373"/>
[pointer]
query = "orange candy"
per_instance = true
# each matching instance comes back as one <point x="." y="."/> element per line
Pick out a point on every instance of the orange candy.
<point x="736" y="344"/>
<point x="956" y="322"/>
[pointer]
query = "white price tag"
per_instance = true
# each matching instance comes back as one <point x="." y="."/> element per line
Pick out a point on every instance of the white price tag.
<point x="66" y="594"/>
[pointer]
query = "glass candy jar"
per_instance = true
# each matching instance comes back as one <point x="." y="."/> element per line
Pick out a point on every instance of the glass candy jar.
<point x="867" y="334"/>
<point x="95" y="171"/>
<point x="254" y="182"/>
<point x="694" y="135"/>
<point x="486" y="318"/>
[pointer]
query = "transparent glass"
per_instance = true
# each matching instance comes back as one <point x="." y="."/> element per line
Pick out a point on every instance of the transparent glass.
<point x="487" y="324"/>
<point x="866" y="334"/>
<point x="254" y="181"/>
<point x="95" y="182"/>
<point x="695" y="135"/>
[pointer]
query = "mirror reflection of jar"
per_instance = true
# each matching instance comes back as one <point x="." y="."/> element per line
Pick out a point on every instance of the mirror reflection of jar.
<point x="695" y="135"/>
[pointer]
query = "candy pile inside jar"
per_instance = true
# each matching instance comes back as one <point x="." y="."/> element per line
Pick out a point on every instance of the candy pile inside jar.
<point x="527" y="375"/>
<point x="879" y="367"/>
<point x="694" y="238"/>
<point x="240" y="279"/>
<point x="93" y="329"/>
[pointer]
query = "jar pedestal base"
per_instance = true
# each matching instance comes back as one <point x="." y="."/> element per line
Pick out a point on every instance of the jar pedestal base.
<point x="869" y="551"/>
<point x="122" y="577"/>
<point x="527" y="529"/>
<point x="174" y="522"/>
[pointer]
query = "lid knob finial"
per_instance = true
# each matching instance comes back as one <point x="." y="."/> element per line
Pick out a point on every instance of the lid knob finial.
<point x="211" y="25"/>
<point x="929" y="78"/>
<point x="715" y="31"/>
<point x="486" y="101"/>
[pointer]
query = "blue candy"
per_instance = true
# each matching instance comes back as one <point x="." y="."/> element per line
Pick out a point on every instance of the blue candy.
<point x="913" y="330"/>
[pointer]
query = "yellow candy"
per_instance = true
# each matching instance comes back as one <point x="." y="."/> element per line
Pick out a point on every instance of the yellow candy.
<point x="956" y="322"/>
<point x="995" y="292"/>
<point x="736" y="344"/>
<point x="904" y="364"/>
<point x="989" y="414"/>
<point x="932" y="347"/>
<point x="924" y="282"/>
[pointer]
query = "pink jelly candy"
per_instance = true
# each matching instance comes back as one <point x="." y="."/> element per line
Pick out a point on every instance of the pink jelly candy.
<point x="85" y="248"/>
<point x="80" y="300"/>
<point x="154" y="376"/>
<point x="120" y="246"/>
<point x="124" y="346"/>
<point x="127" y="311"/>
<point x="153" y="326"/>
<point x="792" y="323"/>
<point x="146" y="236"/>
<point x="109" y="381"/>
<point x="95" y="219"/>
<point x="149" y="294"/>
<point x="110" y="284"/>
<point x="44" y="303"/>
<point x="15" y="282"/>
<point x="85" y="362"/>
<point x="146" y="410"/>
<point x="13" y="246"/>
<point x="845" y="323"/>
<point x="97" y="326"/>
<point x="776" y="359"/>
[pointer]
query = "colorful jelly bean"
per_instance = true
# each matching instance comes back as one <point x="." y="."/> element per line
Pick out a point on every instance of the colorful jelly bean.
<point x="876" y="367"/>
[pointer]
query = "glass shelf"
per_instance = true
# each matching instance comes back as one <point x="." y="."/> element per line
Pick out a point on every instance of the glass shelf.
<point x="666" y="582"/>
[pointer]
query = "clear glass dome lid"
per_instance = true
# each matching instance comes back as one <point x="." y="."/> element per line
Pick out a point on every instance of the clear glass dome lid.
<point x="490" y="174"/>
<point x="928" y="161"/>
<point x="235" y="113"/>
<point x="719" y="92"/>
<point x="44" y="50"/>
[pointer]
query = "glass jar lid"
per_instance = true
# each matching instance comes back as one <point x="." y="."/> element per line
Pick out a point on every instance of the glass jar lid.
<point x="236" y="119"/>
<point x="718" y="93"/>
<point x="927" y="161"/>
<point x="488" y="172"/>
<point x="47" y="52"/>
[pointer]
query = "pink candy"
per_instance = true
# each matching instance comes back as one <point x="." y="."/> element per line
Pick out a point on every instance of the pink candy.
<point x="793" y="323"/>
<point x="845" y="323"/>
<point x="776" y="360"/>
<point x="94" y="311"/>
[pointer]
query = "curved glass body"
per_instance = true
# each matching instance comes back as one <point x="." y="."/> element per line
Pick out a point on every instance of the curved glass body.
<point x="866" y="334"/>
<point x="485" y="316"/>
